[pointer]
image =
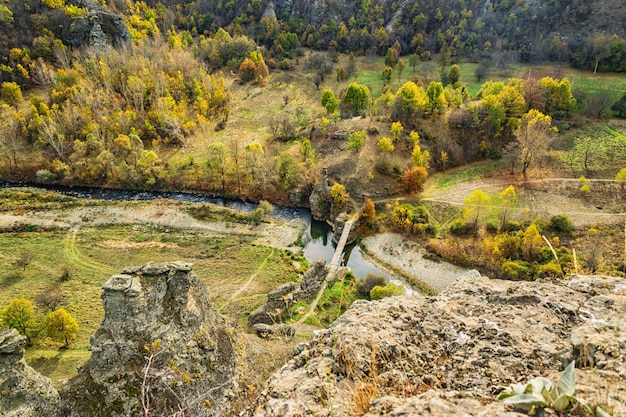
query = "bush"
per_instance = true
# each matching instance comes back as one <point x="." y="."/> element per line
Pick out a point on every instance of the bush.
<point x="460" y="228"/>
<point x="514" y="270"/>
<point x="551" y="269"/>
<point x="45" y="177"/>
<point x="364" y="286"/>
<point x="388" y="290"/>
<point x="561" y="224"/>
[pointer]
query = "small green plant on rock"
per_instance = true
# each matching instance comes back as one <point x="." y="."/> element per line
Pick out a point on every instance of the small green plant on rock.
<point x="539" y="393"/>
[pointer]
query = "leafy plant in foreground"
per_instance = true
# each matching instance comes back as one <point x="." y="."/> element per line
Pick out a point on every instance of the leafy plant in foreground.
<point x="540" y="393"/>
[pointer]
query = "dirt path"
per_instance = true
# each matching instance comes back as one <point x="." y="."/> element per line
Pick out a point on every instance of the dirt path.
<point x="548" y="201"/>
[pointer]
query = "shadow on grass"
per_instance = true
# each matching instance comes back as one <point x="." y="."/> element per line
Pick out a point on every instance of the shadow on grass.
<point x="10" y="278"/>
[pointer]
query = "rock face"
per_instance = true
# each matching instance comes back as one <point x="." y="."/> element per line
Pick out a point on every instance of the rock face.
<point x="281" y="299"/>
<point x="320" y="200"/>
<point x="451" y="354"/>
<point x="161" y="346"/>
<point x="23" y="392"/>
<point x="100" y="28"/>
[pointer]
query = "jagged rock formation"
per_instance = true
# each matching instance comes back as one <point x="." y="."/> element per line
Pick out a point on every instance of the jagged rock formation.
<point x="281" y="299"/>
<point x="23" y="392"/>
<point x="161" y="342"/>
<point x="320" y="200"/>
<point x="100" y="28"/>
<point x="451" y="354"/>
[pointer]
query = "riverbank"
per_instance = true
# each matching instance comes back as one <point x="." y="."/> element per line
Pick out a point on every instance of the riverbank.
<point x="396" y="253"/>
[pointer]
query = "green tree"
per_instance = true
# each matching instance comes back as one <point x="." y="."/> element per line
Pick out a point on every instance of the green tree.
<point x="620" y="106"/>
<point x="558" y="94"/>
<point x="61" y="326"/>
<point x="414" y="61"/>
<point x="385" y="145"/>
<point x="436" y="97"/>
<point x="357" y="98"/>
<point x="19" y="315"/>
<point x="287" y="170"/>
<point x="11" y="93"/>
<point x="356" y="140"/>
<point x="454" y="75"/>
<point x="306" y="150"/>
<point x="329" y="101"/>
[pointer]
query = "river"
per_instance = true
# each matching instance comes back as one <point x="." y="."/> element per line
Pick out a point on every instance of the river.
<point x="317" y="238"/>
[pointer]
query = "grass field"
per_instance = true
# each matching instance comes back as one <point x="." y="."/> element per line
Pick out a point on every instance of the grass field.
<point x="225" y="263"/>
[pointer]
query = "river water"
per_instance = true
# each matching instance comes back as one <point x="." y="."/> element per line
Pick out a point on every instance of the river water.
<point x="317" y="238"/>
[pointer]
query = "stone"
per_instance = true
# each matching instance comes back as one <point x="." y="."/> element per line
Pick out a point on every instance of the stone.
<point x="451" y="354"/>
<point x="281" y="299"/>
<point x="158" y="322"/>
<point x="23" y="391"/>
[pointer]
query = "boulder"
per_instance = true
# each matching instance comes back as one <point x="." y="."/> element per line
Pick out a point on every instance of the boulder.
<point x="23" y="391"/>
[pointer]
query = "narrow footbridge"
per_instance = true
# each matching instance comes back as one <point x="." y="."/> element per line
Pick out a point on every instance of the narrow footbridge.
<point x="332" y="267"/>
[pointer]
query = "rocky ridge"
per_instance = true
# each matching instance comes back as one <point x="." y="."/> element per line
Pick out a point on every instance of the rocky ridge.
<point x="450" y="355"/>
<point x="161" y="347"/>
<point x="23" y="391"/>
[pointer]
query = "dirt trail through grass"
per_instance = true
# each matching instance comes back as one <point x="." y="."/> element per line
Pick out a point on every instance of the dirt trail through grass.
<point x="250" y="280"/>
<point x="76" y="259"/>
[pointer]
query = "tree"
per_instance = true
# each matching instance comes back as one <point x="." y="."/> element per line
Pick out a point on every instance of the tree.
<point x="620" y="106"/>
<point x="620" y="178"/>
<point x="385" y="145"/>
<point x="19" y="315"/>
<point x="329" y="101"/>
<point x="11" y="93"/>
<point x="477" y="207"/>
<point x="534" y="136"/>
<point x="436" y="98"/>
<point x="306" y="150"/>
<point x="287" y="170"/>
<point x="414" y="60"/>
<point x="598" y="104"/>
<point x="61" y="326"/>
<point x="454" y="75"/>
<point x="413" y="179"/>
<point x="368" y="214"/>
<point x="50" y="300"/>
<point x="410" y="102"/>
<point x="396" y="130"/>
<point x="11" y="142"/>
<point x="532" y="243"/>
<point x="24" y="259"/>
<point x="340" y="196"/>
<point x="217" y="161"/>
<point x="357" y="98"/>
<point x="558" y="94"/>
<point x="356" y="140"/>
<point x="420" y="158"/>
<point x="506" y="198"/>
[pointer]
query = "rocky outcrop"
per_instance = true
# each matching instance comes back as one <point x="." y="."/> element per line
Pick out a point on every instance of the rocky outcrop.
<point x="23" y="392"/>
<point x="160" y="346"/>
<point x="451" y="354"/>
<point x="281" y="299"/>
<point x="102" y="27"/>
<point x="320" y="200"/>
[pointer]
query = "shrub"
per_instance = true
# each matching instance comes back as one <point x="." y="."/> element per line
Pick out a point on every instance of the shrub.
<point x="514" y="270"/>
<point x="460" y="228"/>
<point x="551" y="269"/>
<point x="45" y="177"/>
<point x="364" y="286"/>
<point x="561" y="224"/>
<point x="388" y="290"/>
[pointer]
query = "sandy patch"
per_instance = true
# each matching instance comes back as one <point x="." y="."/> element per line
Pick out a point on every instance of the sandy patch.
<point x="399" y="253"/>
<point x="118" y="244"/>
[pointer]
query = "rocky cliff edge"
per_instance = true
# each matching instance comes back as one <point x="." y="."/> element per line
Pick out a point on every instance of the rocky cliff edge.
<point x="451" y="354"/>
